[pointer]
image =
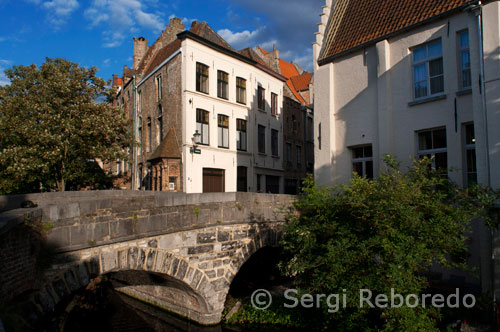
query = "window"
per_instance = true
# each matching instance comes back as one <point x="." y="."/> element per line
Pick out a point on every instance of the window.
<point x="272" y="184"/>
<point x="464" y="55"/>
<point x="202" y="125"/>
<point x="274" y="142"/>
<point x="432" y="144"/>
<point x="319" y="136"/>
<point x="139" y="133"/>
<point x="160" y="125"/>
<point x="290" y="187"/>
<point x="223" y="130"/>
<point x="160" y="177"/>
<point x="148" y="143"/>
<point x="259" y="183"/>
<point x="470" y="155"/>
<point x="222" y="81"/>
<point x="261" y="139"/>
<point x="294" y="124"/>
<point x="172" y="183"/>
<point x="298" y="153"/>
<point x="274" y="104"/>
<point x="241" y="181"/>
<point x="241" y="133"/>
<point x="201" y="77"/>
<point x="139" y="102"/>
<point x="362" y="161"/>
<point x="288" y="147"/>
<point x="310" y="127"/>
<point x="261" y="98"/>
<point x="428" y="78"/>
<point x="158" y="88"/>
<point x="241" y="90"/>
<point x="140" y="175"/>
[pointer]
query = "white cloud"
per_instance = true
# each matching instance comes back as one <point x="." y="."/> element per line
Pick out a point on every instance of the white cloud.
<point x="293" y="28"/>
<point x="246" y="38"/>
<point x="122" y="18"/>
<point x="3" y="78"/>
<point x="58" y="11"/>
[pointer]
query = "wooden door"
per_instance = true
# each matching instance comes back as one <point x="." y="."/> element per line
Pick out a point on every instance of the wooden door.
<point x="213" y="180"/>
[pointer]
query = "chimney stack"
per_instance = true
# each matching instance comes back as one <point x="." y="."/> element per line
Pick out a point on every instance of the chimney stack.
<point x="140" y="49"/>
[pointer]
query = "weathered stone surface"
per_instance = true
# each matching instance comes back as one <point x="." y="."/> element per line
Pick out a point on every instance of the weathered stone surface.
<point x="203" y="250"/>
<point x="200" y="249"/>
<point x="208" y="237"/>
<point x="223" y="236"/>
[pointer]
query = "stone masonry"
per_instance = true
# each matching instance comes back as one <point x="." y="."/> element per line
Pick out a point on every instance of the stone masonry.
<point x="176" y="251"/>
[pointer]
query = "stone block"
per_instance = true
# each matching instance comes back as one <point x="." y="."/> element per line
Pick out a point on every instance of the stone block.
<point x="132" y="258"/>
<point x="189" y="239"/>
<point x="150" y="260"/>
<point x="207" y="237"/>
<point x="170" y="241"/>
<point x="122" y="228"/>
<point x="229" y="245"/>
<point x="175" y="265"/>
<point x="182" y="269"/>
<point x="59" y="237"/>
<point x="141" y="259"/>
<point x="223" y="236"/>
<point x="239" y="234"/>
<point x="200" y="249"/>
<point x="108" y="261"/>
<point x="196" y="279"/>
<point x="211" y="274"/>
<point x="88" y="208"/>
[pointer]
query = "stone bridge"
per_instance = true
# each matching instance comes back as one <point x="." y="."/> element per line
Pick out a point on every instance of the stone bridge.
<point x="176" y="251"/>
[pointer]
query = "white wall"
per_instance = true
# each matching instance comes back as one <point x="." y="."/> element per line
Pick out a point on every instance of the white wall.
<point x="228" y="159"/>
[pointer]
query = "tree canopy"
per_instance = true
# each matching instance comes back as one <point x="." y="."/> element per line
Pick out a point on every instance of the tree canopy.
<point x="54" y="120"/>
<point x="379" y="235"/>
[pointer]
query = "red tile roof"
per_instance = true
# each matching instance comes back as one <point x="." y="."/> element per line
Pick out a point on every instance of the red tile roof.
<point x="287" y="69"/>
<point x="169" y="147"/>
<point x="295" y="93"/>
<point x="301" y="82"/>
<point x="356" y="22"/>
<point x="162" y="55"/>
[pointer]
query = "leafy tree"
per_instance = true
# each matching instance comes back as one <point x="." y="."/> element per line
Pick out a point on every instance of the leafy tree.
<point x="377" y="235"/>
<point x="52" y="124"/>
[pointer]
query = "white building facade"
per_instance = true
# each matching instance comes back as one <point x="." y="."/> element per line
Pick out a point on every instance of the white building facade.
<point x="240" y="144"/>
<point x="430" y="86"/>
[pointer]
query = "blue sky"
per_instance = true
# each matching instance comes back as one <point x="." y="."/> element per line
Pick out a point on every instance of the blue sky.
<point x="99" y="32"/>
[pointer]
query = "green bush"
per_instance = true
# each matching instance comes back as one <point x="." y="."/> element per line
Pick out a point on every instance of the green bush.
<point x="381" y="234"/>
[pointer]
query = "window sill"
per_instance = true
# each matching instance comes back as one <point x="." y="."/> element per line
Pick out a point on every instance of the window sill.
<point x="464" y="92"/>
<point x="222" y="98"/>
<point x="262" y="154"/>
<point x="261" y="110"/>
<point x="275" y="156"/>
<point x="427" y="100"/>
<point x="223" y="147"/>
<point x="202" y="92"/>
<point x="241" y="102"/>
<point x="241" y="150"/>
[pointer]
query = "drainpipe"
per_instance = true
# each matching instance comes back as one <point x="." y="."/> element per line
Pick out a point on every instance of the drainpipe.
<point x="478" y="11"/>
<point x="134" y="128"/>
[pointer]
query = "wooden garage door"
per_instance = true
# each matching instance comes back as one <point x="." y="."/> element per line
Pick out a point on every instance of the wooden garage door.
<point x="213" y="180"/>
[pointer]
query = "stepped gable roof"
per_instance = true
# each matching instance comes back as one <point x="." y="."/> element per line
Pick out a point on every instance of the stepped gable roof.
<point x="168" y="148"/>
<point x="356" y="23"/>
<point x="301" y="82"/>
<point x="162" y="55"/>
<point x="203" y="30"/>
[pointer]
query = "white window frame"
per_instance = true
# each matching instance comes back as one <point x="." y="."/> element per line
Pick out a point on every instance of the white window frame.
<point x="362" y="160"/>
<point x="426" y="61"/>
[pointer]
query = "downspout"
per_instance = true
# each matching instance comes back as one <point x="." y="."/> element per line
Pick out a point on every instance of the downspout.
<point x="479" y="17"/>
<point x="134" y="148"/>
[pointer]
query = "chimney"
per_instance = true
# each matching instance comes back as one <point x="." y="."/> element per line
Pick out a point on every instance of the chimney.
<point x="140" y="49"/>
<point x="115" y="80"/>
<point x="275" y="52"/>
